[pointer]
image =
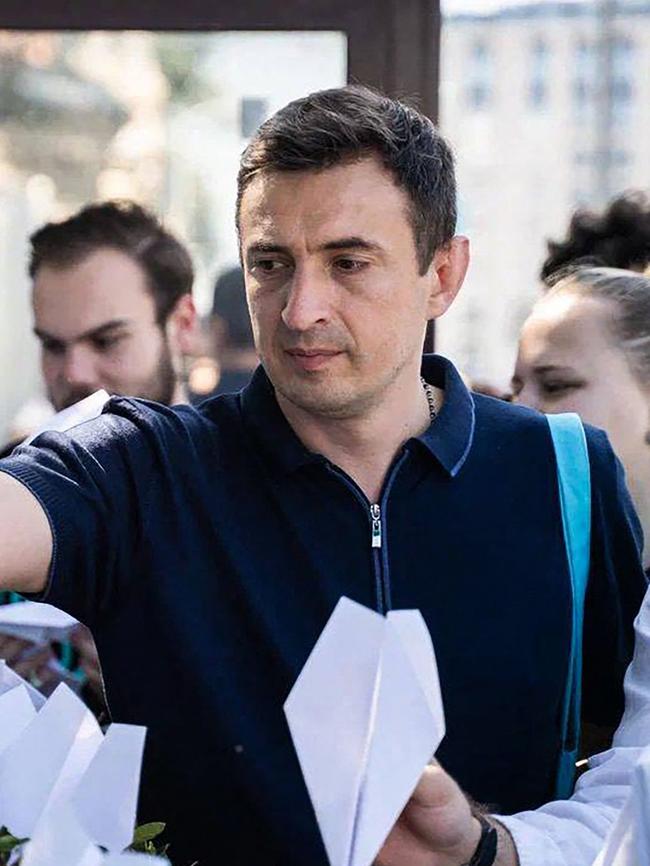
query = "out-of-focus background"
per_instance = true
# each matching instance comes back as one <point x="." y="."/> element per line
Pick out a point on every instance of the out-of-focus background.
<point x="547" y="105"/>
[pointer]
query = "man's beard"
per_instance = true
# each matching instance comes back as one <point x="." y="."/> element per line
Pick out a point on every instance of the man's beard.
<point x="160" y="387"/>
<point x="162" y="384"/>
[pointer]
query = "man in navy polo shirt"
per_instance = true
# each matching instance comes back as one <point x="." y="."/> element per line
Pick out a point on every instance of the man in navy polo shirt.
<point x="206" y="548"/>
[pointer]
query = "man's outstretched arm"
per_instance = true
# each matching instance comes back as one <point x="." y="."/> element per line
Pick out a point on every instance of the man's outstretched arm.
<point x="25" y="538"/>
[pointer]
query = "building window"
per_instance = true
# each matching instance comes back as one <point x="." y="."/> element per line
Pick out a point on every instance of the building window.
<point x="620" y="158"/>
<point x="622" y="83"/>
<point x="584" y="75"/>
<point x="621" y="92"/>
<point x="537" y="93"/>
<point x="479" y="77"/>
<point x="538" y="86"/>
<point x="254" y="111"/>
<point x="478" y="96"/>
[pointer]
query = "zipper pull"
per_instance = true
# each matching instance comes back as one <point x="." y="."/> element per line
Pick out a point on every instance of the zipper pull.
<point x="375" y="516"/>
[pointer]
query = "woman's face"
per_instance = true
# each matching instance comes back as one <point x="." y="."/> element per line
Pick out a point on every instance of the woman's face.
<point x="569" y="361"/>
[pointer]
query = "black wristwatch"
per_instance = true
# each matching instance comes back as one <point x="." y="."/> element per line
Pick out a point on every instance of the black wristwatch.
<point x="486" y="850"/>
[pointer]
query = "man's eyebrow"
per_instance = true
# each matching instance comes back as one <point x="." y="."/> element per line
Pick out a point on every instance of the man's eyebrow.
<point x="352" y="243"/>
<point x="349" y="243"/>
<point x="551" y="368"/>
<point x="99" y="331"/>
<point x="262" y="247"/>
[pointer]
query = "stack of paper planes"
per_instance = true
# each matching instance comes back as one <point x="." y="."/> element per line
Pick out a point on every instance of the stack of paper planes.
<point x="628" y="843"/>
<point x="64" y="786"/>
<point x="366" y="717"/>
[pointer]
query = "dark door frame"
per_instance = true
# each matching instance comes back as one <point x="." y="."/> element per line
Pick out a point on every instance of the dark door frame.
<point x="392" y="44"/>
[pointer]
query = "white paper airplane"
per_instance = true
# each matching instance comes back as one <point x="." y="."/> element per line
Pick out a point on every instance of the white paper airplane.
<point x="628" y="843"/>
<point x="366" y="717"/>
<point x="84" y="410"/>
<point x="63" y="784"/>
<point x="59" y="840"/>
<point x="106" y="799"/>
<point x="16" y="712"/>
<point x="10" y="680"/>
<point x="46" y="761"/>
<point x="36" y="622"/>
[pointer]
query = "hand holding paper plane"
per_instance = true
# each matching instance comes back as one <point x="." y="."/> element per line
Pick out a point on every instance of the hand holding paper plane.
<point x="366" y="717"/>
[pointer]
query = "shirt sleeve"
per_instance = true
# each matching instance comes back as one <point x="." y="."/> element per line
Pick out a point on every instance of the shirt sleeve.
<point x="93" y="483"/>
<point x="572" y="832"/>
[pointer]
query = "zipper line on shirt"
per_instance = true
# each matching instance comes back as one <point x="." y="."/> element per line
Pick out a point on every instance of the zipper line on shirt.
<point x="378" y="544"/>
<point x="384" y="567"/>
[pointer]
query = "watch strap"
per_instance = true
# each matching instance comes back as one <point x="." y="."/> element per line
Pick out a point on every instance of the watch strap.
<point x="486" y="850"/>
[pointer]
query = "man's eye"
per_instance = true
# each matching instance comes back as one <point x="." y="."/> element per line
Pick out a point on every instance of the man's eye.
<point x="52" y="347"/>
<point x="105" y="344"/>
<point x="556" y="388"/>
<point x="267" y="266"/>
<point x="350" y="265"/>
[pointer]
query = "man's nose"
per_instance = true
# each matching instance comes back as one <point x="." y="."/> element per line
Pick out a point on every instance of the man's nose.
<point x="309" y="299"/>
<point x="79" y="368"/>
<point x="530" y="396"/>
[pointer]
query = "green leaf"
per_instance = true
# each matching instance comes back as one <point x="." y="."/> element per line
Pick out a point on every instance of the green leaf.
<point x="8" y="843"/>
<point x="147" y="832"/>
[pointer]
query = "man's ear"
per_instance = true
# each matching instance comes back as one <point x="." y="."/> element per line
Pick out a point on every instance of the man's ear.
<point x="181" y="326"/>
<point x="447" y="272"/>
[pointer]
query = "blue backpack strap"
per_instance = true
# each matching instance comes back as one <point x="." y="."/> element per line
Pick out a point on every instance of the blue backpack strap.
<point x="574" y="483"/>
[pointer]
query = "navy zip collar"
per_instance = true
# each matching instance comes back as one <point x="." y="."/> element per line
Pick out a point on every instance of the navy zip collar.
<point x="448" y="440"/>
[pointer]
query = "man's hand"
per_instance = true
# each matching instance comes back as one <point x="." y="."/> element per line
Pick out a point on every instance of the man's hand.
<point x="437" y="828"/>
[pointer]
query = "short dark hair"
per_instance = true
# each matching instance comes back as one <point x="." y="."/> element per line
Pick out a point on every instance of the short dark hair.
<point x="332" y="126"/>
<point x="617" y="237"/>
<point x="124" y="226"/>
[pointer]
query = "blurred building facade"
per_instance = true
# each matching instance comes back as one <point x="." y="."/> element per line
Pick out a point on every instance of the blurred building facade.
<point x="547" y="106"/>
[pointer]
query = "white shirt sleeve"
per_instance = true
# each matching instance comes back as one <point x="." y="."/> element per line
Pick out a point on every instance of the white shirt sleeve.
<point x="572" y="832"/>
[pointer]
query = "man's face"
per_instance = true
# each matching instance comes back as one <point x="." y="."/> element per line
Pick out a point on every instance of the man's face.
<point x="96" y="322"/>
<point x="337" y="303"/>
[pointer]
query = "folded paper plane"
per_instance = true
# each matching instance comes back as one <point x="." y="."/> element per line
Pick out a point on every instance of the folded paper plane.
<point x="9" y="680"/>
<point x="33" y="621"/>
<point x="67" y="788"/>
<point x="66" y="419"/>
<point x="114" y="769"/>
<point x="366" y="717"/>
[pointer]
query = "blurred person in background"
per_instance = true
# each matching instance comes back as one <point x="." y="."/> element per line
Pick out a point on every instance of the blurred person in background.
<point x="585" y="348"/>
<point x="230" y="357"/>
<point x="113" y="309"/>
<point x="617" y="237"/>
